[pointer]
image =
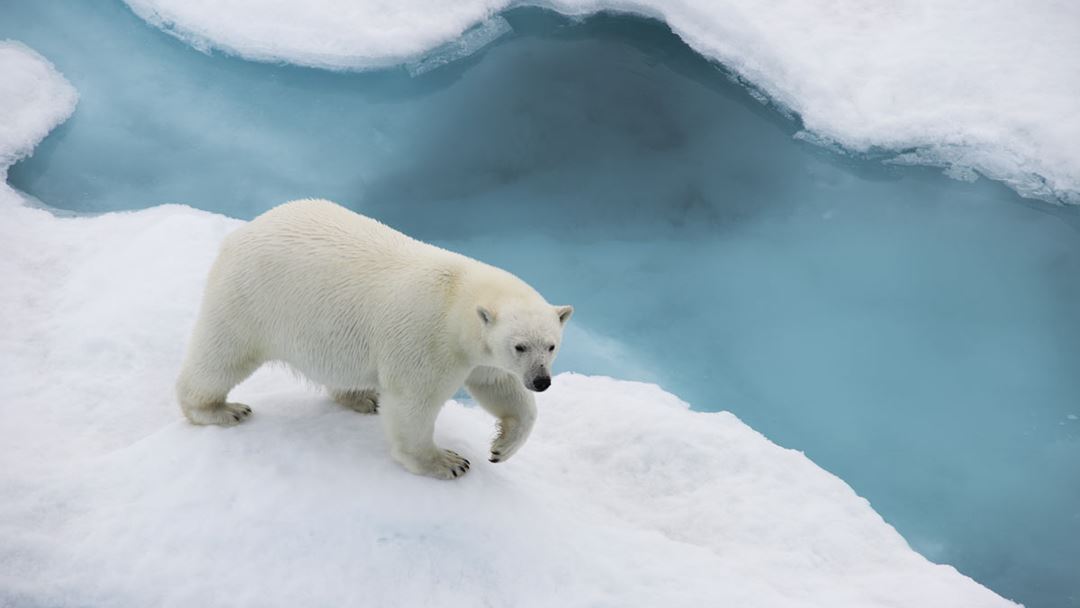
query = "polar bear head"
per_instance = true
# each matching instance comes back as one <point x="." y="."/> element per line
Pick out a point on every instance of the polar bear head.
<point x="523" y="338"/>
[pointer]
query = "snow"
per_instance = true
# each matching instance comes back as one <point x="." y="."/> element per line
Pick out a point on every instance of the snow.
<point x="623" y="496"/>
<point x="965" y="84"/>
<point x="33" y="99"/>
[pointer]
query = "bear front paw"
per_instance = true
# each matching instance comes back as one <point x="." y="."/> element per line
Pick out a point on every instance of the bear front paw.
<point x="444" y="464"/>
<point x="512" y="435"/>
<point x="450" y="465"/>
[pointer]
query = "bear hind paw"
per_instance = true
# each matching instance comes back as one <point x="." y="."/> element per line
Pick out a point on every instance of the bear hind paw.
<point x="221" y="414"/>
<point x="363" y="401"/>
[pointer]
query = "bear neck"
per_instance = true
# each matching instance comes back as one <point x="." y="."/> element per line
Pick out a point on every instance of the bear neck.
<point x="481" y="285"/>
<point x="468" y="293"/>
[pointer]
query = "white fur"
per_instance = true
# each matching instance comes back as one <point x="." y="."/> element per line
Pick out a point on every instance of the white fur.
<point x="384" y="321"/>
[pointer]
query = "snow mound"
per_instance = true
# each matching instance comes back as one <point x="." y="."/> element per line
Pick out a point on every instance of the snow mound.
<point x="966" y="84"/>
<point x="622" y="497"/>
<point x="34" y="98"/>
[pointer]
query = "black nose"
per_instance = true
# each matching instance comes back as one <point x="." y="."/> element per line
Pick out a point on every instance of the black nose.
<point x="541" y="383"/>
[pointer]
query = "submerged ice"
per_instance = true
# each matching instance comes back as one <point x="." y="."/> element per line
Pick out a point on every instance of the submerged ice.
<point x="468" y="43"/>
<point x="912" y="334"/>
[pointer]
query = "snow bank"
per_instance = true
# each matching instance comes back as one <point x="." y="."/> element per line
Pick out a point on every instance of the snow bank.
<point x="34" y="98"/>
<point x="623" y="496"/>
<point x="989" y="85"/>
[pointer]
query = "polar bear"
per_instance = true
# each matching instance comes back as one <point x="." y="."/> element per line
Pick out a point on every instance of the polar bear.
<point x="384" y="321"/>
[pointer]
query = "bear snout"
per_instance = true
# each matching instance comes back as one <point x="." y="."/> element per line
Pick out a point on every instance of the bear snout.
<point x="540" y="383"/>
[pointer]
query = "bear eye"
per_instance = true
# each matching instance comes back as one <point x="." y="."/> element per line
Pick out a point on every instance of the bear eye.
<point x="521" y="348"/>
<point x="551" y="348"/>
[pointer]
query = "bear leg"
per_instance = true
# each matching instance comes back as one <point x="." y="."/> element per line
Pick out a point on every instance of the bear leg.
<point x="503" y="396"/>
<point x="410" y="428"/>
<point x="205" y="382"/>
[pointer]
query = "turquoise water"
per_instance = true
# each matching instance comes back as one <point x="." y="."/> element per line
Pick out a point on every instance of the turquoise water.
<point x="913" y="334"/>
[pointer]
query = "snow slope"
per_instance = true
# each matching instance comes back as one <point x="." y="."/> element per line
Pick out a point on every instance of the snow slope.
<point x="623" y="496"/>
<point x="990" y="85"/>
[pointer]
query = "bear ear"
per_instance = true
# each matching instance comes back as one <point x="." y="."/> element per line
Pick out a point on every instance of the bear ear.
<point x="564" y="313"/>
<point x="485" y="315"/>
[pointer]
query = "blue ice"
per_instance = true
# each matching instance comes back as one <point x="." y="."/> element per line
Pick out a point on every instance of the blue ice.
<point x="916" y="335"/>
